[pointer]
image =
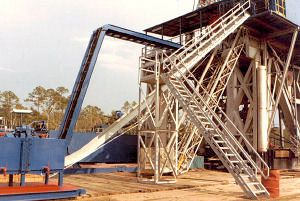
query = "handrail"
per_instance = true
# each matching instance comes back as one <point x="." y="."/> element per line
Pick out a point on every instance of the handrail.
<point x="215" y="25"/>
<point x="216" y="127"/>
<point x="223" y="125"/>
<point x="177" y="58"/>
<point x="244" y="138"/>
<point x="295" y="142"/>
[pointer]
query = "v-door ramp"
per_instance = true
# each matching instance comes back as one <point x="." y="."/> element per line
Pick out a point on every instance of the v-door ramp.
<point x="88" y="64"/>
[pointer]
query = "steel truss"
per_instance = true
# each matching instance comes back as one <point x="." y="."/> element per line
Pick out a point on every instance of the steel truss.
<point x="281" y="95"/>
<point x="223" y="86"/>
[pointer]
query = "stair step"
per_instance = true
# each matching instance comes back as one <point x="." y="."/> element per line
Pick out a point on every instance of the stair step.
<point x="253" y="183"/>
<point x="245" y="176"/>
<point x="245" y="161"/>
<point x="189" y="57"/>
<point x="259" y="191"/>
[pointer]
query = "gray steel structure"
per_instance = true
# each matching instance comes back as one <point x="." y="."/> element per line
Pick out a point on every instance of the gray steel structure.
<point x="239" y="65"/>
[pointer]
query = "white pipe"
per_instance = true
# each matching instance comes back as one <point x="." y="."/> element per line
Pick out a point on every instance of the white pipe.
<point x="262" y="113"/>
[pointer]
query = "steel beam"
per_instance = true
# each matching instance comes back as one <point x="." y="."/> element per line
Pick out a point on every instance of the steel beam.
<point x="287" y="64"/>
<point x="87" y="67"/>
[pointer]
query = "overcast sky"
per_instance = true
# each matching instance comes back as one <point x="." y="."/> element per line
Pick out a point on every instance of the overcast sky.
<point x="42" y="42"/>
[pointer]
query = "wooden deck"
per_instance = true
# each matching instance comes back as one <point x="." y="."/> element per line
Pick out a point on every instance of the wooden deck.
<point x="196" y="185"/>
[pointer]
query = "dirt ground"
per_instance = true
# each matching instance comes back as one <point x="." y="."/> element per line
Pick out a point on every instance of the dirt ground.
<point x="196" y="185"/>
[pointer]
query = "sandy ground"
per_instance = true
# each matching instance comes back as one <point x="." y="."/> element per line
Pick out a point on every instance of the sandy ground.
<point x="197" y="185"/>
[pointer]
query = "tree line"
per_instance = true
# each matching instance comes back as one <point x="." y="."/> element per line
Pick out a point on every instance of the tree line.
<point x="50" y="104"/>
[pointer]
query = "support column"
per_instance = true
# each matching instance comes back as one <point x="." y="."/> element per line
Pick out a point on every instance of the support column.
<point x="60" y="178"/>
<point x="231" y="91"/>
<point x="157" y="138"/>
<point x="262" y="103"/>
<point x="11" y="180"/>
<point x="22" y="182"/>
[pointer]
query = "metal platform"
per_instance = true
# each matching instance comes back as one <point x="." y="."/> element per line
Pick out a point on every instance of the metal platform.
<point x="39" y="192"/>
<point x="136" y="37"/>
<point x="264" y="23"/>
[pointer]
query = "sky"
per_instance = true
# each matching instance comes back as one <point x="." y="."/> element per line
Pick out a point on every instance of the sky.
<point x="42" y="42"/>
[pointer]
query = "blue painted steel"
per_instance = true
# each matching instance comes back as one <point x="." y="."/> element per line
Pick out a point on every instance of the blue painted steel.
<point x="60" y="178"/>
<point x="33" y="155"/>
<point x="81" y="85"/>
<point x="10" y="153"/>
<point x="198" y="162"/>
<point x="100" y="170"/>
<point x="87" y="67"/>
<point x="24" y="155"/>
<point x="23" y="177"/>
<point x="139" y="37"/>
<point x="120" y="150"/>
<point x="46" y="152"/>
<point x="42" y="196"/>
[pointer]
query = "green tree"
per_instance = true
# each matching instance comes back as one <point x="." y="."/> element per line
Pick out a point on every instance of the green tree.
<point x="8" y="101"/>
<point x="55" y="104"/>
<point x="37" y="97"/>
<point x="62" y="99"/>
<point x="89" y="118"/>
<point x="49" y="104"/>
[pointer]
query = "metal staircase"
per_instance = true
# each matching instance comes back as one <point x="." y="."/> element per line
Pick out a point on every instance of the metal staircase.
<point x="219" y="78"/>
<point x="232" y="154"/>
<point x="188" y="56"/>
<point x="195" y="49"/>
<point x="213" y="80"/>
<point x="200" y="101"/>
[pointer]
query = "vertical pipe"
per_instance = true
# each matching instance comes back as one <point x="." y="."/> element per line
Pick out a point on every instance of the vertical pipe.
<point x="281" y="128"/>
<point x="176" y="140"/>
<point x="11" y="180"/>
<point x="22" y="183"/>
<point x="254" y="95"/>
<point x="60" y="178"/>
<point x="157" y="114"/>
<point x="262" y="91"/>
<point x="139" y="122"/>
<point x="295" y="102"/>
<point x="47" y="178"/>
